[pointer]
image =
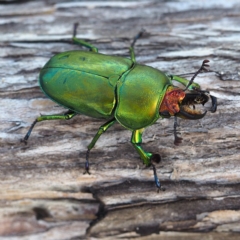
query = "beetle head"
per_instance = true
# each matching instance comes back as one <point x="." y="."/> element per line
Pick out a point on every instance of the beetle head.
<point x="180" y="104"/>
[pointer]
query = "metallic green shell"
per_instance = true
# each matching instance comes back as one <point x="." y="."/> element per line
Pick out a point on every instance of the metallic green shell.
<point x="84" y="82"/>
<point x="140" y="94"/>
<point x="101" y="86"/>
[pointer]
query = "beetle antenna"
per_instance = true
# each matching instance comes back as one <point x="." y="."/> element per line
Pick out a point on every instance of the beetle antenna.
<point x="203" y="67"/>
<point x="177" y="140"/>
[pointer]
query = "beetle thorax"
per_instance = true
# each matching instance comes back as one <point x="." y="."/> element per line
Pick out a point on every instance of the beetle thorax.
<point x="173" y="97"/>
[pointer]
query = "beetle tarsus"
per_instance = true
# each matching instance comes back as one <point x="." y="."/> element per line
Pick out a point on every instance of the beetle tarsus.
<point x="23" y="141"/>
<point x="87" y="163"/>
<point x="29" y="132"/>
<point x="75" y="26"/>
<point x="157" y="182"/>
<point x="177" y="140"/>
<point x="137" y="37"/>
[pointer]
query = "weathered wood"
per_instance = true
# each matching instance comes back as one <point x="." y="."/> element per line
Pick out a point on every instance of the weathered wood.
<point x="43" y="193"/>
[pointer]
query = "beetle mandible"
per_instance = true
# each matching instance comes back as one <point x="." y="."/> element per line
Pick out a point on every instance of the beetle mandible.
<point x="135" y="95"/>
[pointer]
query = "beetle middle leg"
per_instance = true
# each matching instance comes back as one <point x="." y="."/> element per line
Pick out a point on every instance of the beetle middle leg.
<point x="68" y="115"/>
<point x="148" y="158"/>
<point x="101" y="130"/>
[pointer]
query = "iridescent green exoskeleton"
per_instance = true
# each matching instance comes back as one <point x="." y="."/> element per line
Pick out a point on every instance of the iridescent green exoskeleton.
<point x="119" y="90"/>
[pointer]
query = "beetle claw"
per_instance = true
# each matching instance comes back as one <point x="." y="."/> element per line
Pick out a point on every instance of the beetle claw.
<point x="23" y="140"/>
<point x="177" y="140"/>
<point x="87" y="171"/>
<point x="87" y="168"/>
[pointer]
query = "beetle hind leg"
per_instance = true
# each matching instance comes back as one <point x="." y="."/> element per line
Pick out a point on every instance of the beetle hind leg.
<point x="82" y="42"/>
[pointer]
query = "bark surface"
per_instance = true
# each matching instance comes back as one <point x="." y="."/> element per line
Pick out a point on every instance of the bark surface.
<point x="43" y="191"/>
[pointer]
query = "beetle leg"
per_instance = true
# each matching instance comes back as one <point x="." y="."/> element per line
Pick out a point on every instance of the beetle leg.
<point x="203" y="67"/>
<point x="190" y="84"/>
<point x="101" y="130"/>
<point x="136" y="140"/>
<point x="177" y="140"/>
<point x="185" y="82"/>
<point x="157" y="182"/>
<point x="82" y="42"/>
<point x="131" y="48"/>
<point x="68" y="115"/>
<point x="148" y="158"/>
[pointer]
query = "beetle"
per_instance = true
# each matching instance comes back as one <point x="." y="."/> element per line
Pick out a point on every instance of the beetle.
<point x="119" y="90"/>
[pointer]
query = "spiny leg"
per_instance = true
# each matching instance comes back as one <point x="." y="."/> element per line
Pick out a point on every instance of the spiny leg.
<point x="68" y="115"/>
<point x="148" y="158"/>
<point x="101" y="130"/>
<point x="82" y="42"/>
<point x="131" y="48"/>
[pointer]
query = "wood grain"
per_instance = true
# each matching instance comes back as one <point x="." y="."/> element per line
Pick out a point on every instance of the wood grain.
<point x="43" y="193"/>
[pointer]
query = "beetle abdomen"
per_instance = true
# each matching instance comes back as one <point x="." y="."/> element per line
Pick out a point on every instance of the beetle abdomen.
<point x="75" y="80"/>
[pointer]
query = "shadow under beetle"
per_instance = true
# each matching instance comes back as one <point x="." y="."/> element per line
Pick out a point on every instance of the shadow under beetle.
<point x="119" y="89"/>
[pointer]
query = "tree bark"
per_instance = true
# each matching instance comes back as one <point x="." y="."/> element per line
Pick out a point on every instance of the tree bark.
<point x="43" y="191"/>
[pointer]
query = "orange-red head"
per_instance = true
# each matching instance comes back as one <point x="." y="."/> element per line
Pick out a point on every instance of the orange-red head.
<point x="177" y="102"/>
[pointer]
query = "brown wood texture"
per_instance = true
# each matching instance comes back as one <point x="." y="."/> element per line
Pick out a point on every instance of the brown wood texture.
<point x="43" y="191"/>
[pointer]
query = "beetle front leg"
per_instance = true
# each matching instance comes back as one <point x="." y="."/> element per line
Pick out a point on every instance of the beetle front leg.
<point x="185" y="82"/>
<point x="101" y="130"/>
<point x="136" y="140"/>
<point x="190" y="85"/>
<point x="68" y="115"/>
<point x="148" y="158"/>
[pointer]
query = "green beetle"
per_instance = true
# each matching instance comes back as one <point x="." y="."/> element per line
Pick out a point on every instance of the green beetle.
<point x="118" y="89"/>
